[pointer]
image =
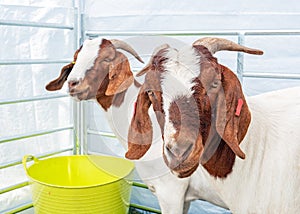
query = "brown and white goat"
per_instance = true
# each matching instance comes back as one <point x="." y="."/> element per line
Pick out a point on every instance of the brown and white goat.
<point x="206" y="122"/>
<point x="101" y="72"/>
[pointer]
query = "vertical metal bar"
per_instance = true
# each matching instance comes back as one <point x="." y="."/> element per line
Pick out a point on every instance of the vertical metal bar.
<point x="75" y="116"/>
<point x="84" y="127"/>
<point x="240" y="57"/>
<point x="81" y="32"/>
<point x="78" y="107"/>
<point x="84" y="105"/>
<point x="76" y="138"/>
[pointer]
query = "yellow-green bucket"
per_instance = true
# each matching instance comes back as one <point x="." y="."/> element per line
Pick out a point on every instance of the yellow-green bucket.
<point x="80" y="184"/>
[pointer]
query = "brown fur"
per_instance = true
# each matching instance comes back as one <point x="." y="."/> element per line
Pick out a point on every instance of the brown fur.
<point x="120" y="75"/>
<point x="140" y="131"/>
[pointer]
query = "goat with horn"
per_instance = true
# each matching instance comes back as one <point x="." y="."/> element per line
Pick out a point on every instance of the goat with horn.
<point x="206" y="122"/>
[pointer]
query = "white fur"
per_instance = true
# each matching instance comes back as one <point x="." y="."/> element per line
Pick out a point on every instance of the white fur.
<point x="85" y="59"/>
<point x="181" y="68"/>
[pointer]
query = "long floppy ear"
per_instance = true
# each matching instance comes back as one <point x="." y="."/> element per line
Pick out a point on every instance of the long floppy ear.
<point x="120" y="75"/>
<point x="228" y="104"/>
<point x="140" y="132"/>
<point x="232" y="113"/>
<point x="59" y="82"/>
<point x="65" y="71"/>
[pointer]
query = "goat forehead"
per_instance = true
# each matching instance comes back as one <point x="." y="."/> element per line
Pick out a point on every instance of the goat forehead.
<point x="180" y="70"/>
<point x="85" y="59"/>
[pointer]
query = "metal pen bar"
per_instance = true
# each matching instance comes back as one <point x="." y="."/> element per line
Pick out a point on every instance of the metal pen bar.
<point x="272" y="32"/>
<point x="144" y="208"/>
<point x="15" y="163"/>
<point x="140" y="185"/>
<point x="102" y="133"/>
<point x="34" y="134"/>
<point x="29" y="205"/>
<point x="35" y="24"/>
<point x="272" y="75"/>
<point x="13" y="187"/>
<point x="21" y="207"/>
<point x="31" y="99"/>
<point x="240" y="58"/>
<point x="34" y="61"/>
<point x="192" y="33"/>
<point x="162" y="33"/>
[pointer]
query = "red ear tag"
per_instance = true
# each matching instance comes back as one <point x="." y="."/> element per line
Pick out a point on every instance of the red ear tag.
<point x="239" y="107"/>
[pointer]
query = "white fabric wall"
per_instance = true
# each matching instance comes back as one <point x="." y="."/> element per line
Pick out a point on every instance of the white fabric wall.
<point x="187" y="15"/>
<point x="26" y="81"/>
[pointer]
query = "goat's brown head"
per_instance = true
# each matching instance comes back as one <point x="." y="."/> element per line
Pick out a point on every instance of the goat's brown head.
<point x="98" y="70"/>
<point x="204" y="115"/>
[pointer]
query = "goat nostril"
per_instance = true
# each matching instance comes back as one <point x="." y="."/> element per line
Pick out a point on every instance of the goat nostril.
<point x="73" y="83"/>
<point x="176" y="152"/>
<point x="170" y="148"/>
<point x="187" y="151"/>
<point x="172" y="151"/>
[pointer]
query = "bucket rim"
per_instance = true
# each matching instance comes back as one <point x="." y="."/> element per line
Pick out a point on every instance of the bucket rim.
<point x="32" y="180"/>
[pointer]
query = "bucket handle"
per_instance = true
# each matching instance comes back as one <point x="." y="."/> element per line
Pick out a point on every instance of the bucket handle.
<point x="28" y="158"/>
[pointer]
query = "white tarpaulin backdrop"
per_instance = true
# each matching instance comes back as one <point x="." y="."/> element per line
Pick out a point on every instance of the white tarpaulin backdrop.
<point x="19" y="81"/>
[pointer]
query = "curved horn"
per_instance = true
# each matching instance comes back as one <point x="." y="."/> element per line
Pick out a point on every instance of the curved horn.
<point x="118" y="44"/>
<point x="219" y="44"/>
<point x="146" y="68"/>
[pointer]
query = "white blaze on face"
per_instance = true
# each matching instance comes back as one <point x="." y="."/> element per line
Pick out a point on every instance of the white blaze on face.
<point x="85" y="59"/>
<point x="181" y="69"/>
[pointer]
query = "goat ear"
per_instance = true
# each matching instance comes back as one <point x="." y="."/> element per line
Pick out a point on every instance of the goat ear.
<point x="59" y="82"/>
<point x="140" y="132"/>
<point x="65" y="71"/>
<point x="231" y="111"/>
<point x="144" y="70"/>
<point x="120" y="75"/>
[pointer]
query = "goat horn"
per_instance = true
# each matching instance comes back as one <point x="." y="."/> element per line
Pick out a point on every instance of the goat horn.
<point x="218" y="44"/>
<point x="146" y="68"/>
<point x="118" y="44"/>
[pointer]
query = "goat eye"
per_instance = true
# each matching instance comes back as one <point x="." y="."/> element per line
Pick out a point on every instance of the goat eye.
<point x="150" y="93"/>
<point x="107" y="60"/>
<point x="215" y="84"/>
